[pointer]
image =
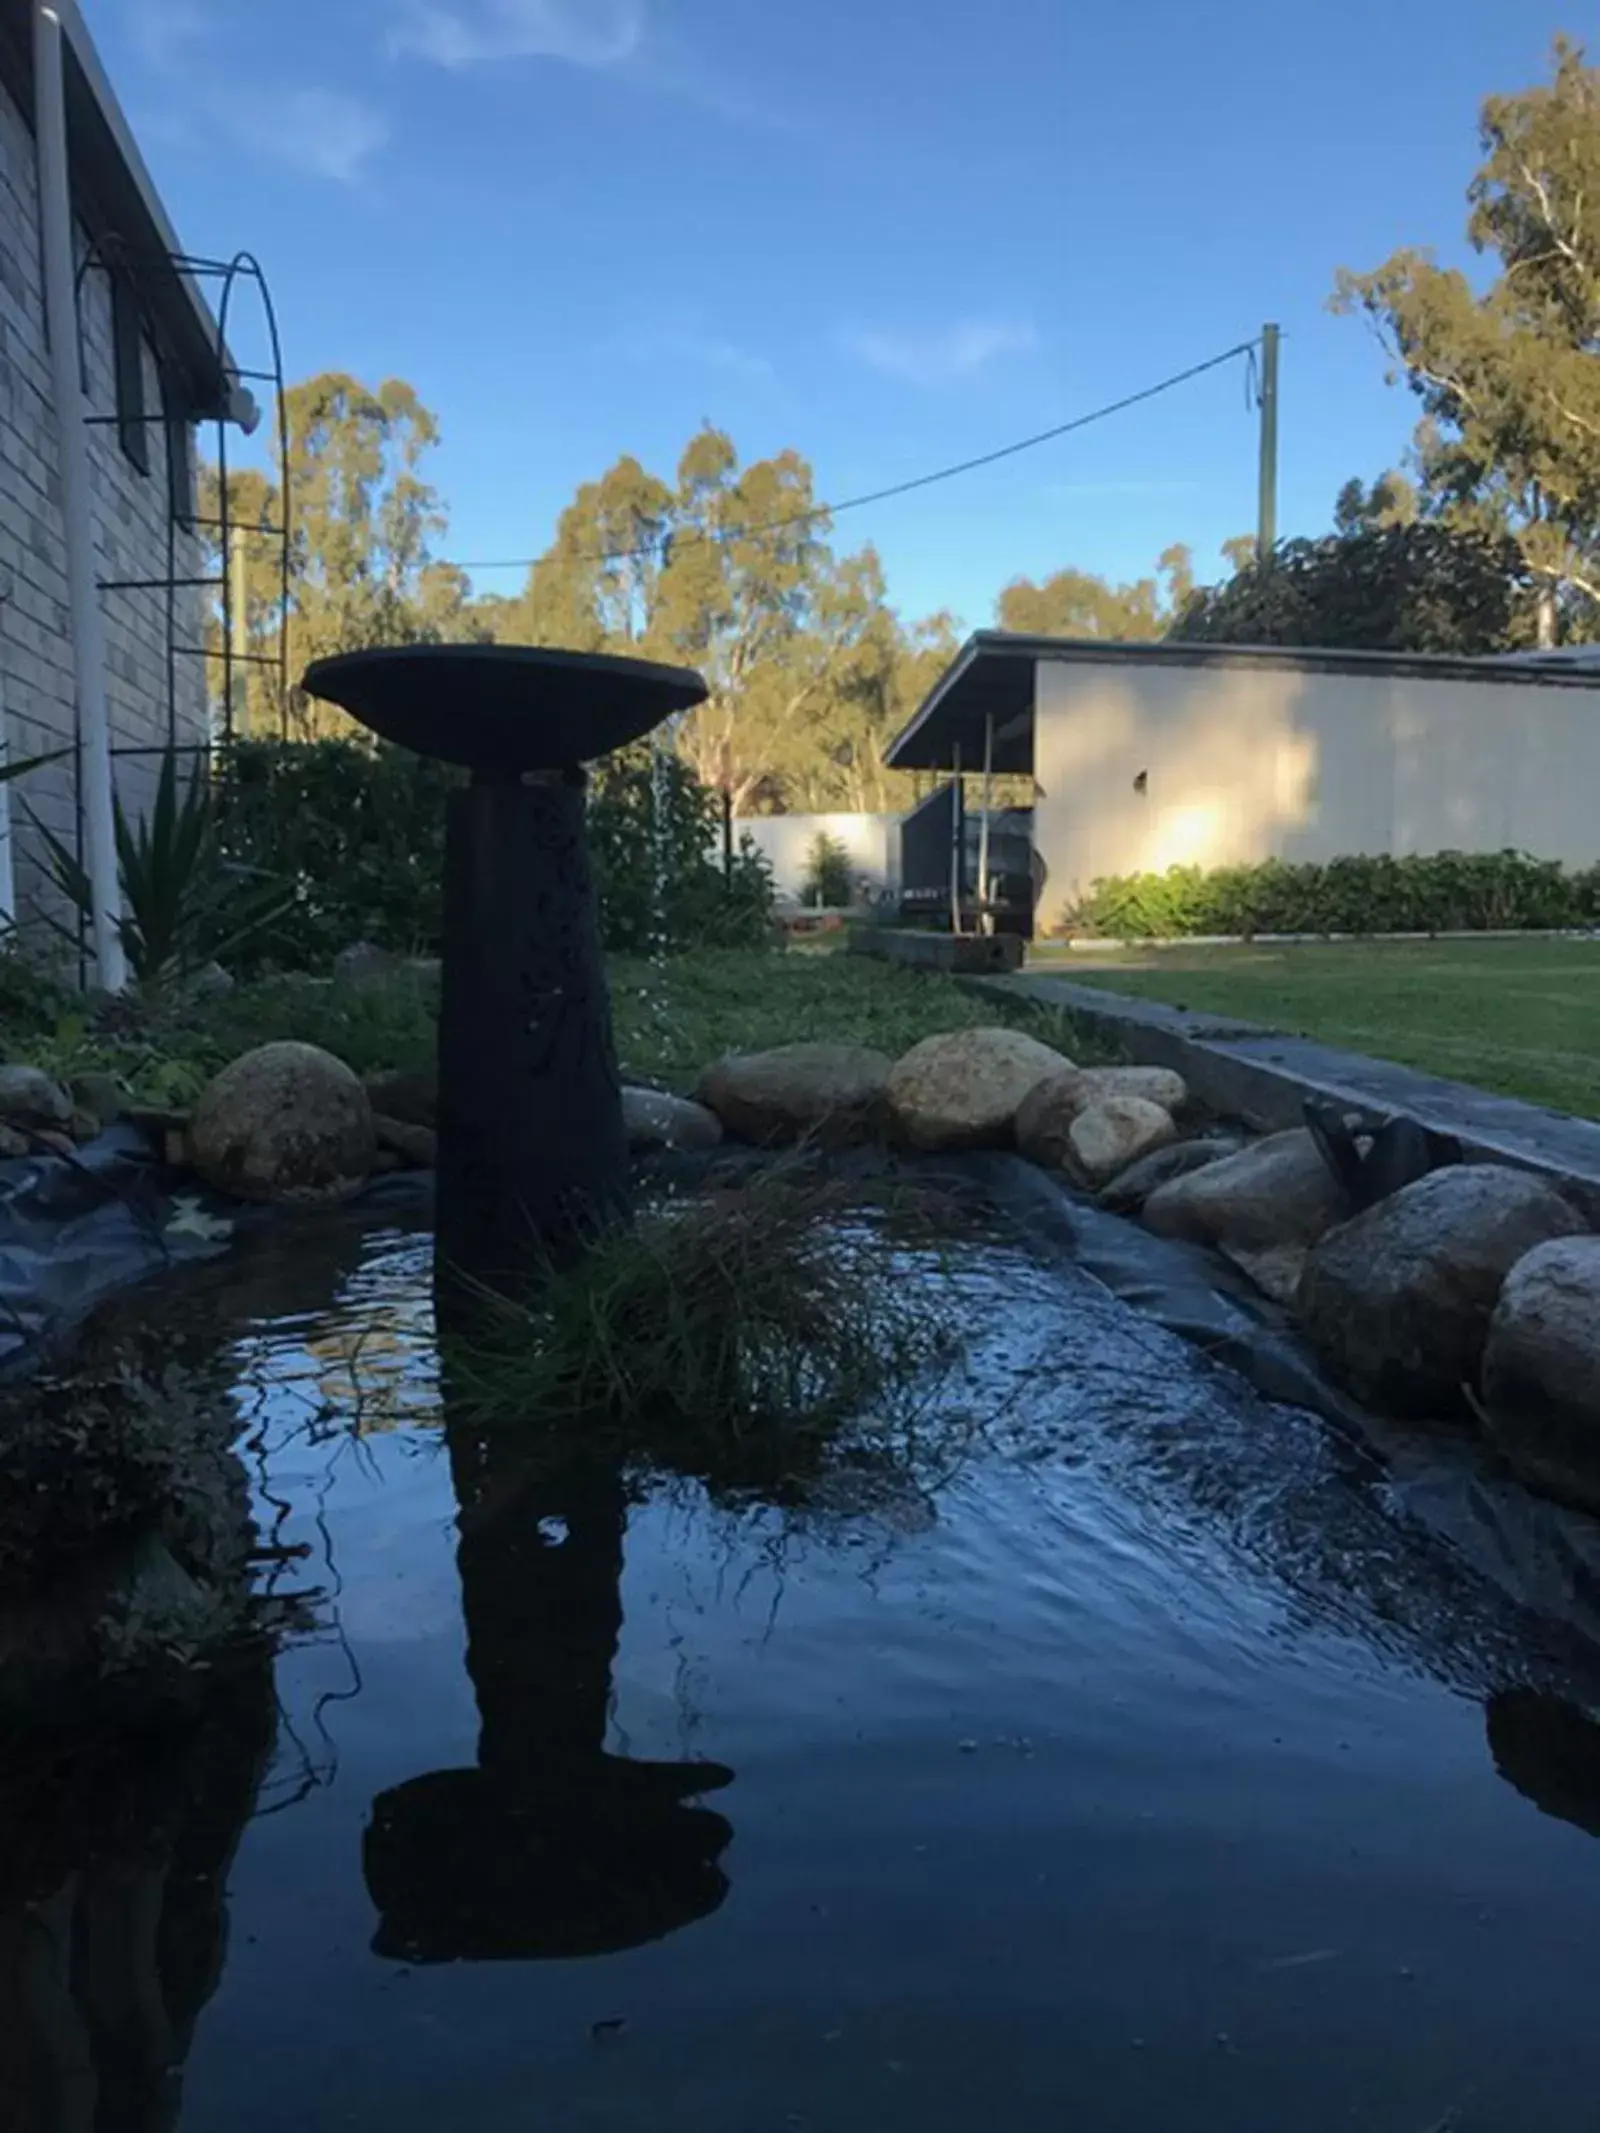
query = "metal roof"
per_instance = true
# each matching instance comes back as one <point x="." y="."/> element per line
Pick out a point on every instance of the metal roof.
<point x="115" y="196"/>
<point x="992" y="676"/>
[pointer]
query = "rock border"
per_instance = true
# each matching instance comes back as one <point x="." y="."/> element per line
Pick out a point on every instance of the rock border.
<point x="1262" y="1077"/>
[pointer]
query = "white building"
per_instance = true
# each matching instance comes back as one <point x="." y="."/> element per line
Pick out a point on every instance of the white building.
<point x="89" y="661"/>
<point x="1149" y="756"/>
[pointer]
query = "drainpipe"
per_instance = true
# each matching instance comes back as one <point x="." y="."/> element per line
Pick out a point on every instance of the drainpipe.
<point x="8" y="872"/>
<point x="83" y="584"/>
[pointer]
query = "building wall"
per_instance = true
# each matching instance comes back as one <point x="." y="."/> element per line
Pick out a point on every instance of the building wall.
<point x="873" y="842"/>
<point x="1244" y="764"/>
<point x="131" y="515"/>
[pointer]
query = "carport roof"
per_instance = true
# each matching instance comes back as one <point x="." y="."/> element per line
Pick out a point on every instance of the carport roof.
<point x="992" y="676"/>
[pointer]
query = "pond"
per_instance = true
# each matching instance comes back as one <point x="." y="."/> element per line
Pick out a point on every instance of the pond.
<point x="1134" y="1764"/>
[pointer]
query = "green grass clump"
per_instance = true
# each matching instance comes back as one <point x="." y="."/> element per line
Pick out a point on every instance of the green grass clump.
<point x="744" y="1336"/>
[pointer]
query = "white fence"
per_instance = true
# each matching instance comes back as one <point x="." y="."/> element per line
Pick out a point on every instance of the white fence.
<point x="872" y="842"/>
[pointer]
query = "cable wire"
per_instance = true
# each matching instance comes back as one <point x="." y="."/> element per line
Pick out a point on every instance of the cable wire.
<point x="899" y="488"/>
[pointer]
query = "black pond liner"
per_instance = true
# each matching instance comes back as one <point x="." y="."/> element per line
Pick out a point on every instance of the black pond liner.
<point x="77" y="1230"/>
<point x="73" y="1232"/>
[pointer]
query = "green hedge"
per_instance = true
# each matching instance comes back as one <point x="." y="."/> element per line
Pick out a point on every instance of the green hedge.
<point x="359" y="831"/>
<point x="1444" y="892"/>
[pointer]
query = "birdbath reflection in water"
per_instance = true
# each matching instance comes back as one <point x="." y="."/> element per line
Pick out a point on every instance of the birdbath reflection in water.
<point x="550" y="1846"/>
<point x="532" y="1152"/>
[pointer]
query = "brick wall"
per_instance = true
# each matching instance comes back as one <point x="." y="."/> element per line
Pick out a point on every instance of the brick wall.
<point x="132" y="512"/>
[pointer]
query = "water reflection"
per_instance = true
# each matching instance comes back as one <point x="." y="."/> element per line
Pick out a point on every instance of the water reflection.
<point x="113" y="1916"/>
<point x="551" y="1846"/>
<point x="1549" y="1750"/>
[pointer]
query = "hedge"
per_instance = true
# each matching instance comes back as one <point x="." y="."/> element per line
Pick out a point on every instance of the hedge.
<point x="1443" y="892"/>
<point x="359" y="832"/>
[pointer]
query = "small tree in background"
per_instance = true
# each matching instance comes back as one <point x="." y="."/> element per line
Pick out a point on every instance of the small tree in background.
<point x="829" y="884"/>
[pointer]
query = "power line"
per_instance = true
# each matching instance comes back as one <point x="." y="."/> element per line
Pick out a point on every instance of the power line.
<point x="899" y="488"/>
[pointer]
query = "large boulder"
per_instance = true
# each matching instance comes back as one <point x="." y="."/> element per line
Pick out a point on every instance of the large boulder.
<point x="653" y="1119"/>
<point x="1274" y="1192"/>
<point x="30" y="1098"/>
<point x="831" y="1093"/>
<point x="1111" y="1134"/>
<point x="1045" y="1115"/>
<point x="964" y="1089"/>
<point x="1131" y="1188"/>
<point x="1262" y="1208"/>
<point x="1541" y="1369"/>
<point x="1397" y="1301"/>
<point x="287" y="1122"/>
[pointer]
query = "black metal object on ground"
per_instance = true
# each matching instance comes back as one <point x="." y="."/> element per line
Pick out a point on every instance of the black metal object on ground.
<point x="533" y="1159"/>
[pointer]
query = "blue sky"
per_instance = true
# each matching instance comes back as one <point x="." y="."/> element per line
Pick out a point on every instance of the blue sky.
<point x="890" y="233"/>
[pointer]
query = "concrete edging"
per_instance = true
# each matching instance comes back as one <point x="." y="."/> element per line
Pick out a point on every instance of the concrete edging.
<point x="1262" y="1076"/>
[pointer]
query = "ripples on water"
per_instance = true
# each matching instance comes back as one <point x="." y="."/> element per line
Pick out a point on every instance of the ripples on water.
<point x="1132" y="1764"/>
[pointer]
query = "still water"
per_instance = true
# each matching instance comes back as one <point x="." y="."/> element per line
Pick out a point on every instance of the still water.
<point x="1134" y="1766"/>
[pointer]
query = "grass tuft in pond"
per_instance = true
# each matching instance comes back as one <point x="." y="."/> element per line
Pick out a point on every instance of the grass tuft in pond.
<point x="750" y="1336"/>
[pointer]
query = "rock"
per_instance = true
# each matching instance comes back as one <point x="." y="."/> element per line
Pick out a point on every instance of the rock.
<point x="410" y="1097"/>
<point x="416" y="1147"/>
<point x="287" y="1122"/>
<point x="1274" y="1192"/>
<point x="829" y="1092"/>
<point x="210" y="982"/>
<point x="48" y="1140"/>
<point x="1541" y="1369"/>
<point x="98" y="1094"/>
<point x="13" y="1144"/>
<point x="1045" y="1115"/>
<point x="1277" y="1272"/>
<point x="85" y="1127"/>
<point x="30" y="1098"/>
<point x="1397" y="1301"/>
<point x="656" y="1120"/>
<point x="1114" y="1132"/>
<point x="1129" y="1190"/>
<point x="363" y="963"/>
<point x="964" y="1089"/>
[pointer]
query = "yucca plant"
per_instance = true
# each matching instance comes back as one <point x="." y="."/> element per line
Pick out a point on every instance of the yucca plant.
<point x="186" y="903"/>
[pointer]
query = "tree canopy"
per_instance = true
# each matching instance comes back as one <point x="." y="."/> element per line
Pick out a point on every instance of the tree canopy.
<point x="363" y="529"/>
<point x="1509" y="440"/>
<point x="729" y="568"/>
<point x="1398" y="586"/>
<point x="1075" y="603"/>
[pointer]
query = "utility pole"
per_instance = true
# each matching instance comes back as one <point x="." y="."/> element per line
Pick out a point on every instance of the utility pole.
<point x="1267" y="505"/>
<point x="238" y="667"/>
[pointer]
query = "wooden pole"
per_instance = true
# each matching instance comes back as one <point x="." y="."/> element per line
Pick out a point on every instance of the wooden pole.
<point x="957" y="836"/>
<point x="986" y="915"/>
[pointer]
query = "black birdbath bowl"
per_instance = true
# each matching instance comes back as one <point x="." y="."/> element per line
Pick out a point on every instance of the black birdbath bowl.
<point x="532" y="1153"/>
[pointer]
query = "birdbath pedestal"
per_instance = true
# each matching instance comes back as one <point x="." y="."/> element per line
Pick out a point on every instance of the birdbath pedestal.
<point x="532" y="1152"/>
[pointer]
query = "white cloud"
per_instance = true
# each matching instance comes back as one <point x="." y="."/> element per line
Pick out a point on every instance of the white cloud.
<point x="944" y="357"/>
<point x="584" y="33"/>
<point x="710" y="351"/>
<point x="322" y="133"/>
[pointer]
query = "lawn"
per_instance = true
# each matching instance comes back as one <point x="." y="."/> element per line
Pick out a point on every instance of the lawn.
<point x="671" y="1018"/>
<point x="1521" y="1017"/>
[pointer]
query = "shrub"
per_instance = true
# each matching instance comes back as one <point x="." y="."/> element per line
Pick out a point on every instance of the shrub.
<point x="1443" y="892"/>
<point x="828" y="885"/>
<point x="359" y="833"/>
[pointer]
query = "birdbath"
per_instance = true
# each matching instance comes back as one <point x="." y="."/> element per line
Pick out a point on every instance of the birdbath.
<point x="532" y="1153"/>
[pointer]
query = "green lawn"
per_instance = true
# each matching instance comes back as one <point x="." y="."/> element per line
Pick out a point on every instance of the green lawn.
<point x="672" y="1019"/>
<point x="1519" y="1017"/>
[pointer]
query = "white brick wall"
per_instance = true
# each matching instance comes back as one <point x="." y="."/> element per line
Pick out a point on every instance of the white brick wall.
<point x="131" y="516"/>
